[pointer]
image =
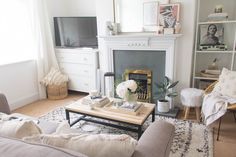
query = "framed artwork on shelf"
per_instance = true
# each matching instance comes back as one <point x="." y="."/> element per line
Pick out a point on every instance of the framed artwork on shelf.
<point x="211" y="34"/>
<point x="168" y="15"/>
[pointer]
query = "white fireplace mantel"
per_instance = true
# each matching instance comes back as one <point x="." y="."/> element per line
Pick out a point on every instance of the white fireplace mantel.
<point x="142" y="41"/>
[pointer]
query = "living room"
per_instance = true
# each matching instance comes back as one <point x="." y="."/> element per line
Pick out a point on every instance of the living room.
<point x="176" y="55"/>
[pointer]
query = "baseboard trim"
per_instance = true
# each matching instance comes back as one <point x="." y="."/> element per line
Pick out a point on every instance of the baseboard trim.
<point x="24" y="101"/>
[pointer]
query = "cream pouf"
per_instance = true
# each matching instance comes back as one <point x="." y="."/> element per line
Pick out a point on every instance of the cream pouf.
<point x="192" y="97"/>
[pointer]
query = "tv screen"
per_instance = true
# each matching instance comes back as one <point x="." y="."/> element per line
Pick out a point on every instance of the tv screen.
<point x="75" y="31"/>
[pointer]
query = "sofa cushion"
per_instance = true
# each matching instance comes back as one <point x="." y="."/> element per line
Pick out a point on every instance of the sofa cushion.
<point x="17" y="128"/>
<point x="10" y="147"/>
<point x="102" y="145"/>
<point x="226" y="85"/>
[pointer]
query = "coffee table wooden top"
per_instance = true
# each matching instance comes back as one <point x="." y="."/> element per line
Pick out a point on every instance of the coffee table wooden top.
<point x="139" y="119"/>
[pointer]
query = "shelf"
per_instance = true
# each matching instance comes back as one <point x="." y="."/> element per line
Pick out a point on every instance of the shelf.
<point x="213" y="22"/>
<point x="205" y="78"/>
<point x="214" y="51"/>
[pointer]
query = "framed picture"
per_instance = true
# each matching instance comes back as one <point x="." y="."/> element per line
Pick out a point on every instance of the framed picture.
<point x="169" y="15"/>
<point x="150" y="13"/>
<point x="212" y="34"/>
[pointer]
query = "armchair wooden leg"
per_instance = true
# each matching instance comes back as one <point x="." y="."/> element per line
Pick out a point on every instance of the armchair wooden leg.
<point x="218" y="132"/>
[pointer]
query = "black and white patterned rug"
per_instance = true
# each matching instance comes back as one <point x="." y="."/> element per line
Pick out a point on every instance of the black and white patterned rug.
<point x="190" y="140"/>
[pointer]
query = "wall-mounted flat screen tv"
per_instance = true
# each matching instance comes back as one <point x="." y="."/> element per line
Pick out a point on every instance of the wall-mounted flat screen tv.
<point x="75" y="31"/>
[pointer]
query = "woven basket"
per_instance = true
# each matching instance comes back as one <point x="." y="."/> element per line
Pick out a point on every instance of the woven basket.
<point x="55" y="92"/>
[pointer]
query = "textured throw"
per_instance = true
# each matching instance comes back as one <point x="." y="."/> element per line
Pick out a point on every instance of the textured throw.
<point x="191" y="139"/>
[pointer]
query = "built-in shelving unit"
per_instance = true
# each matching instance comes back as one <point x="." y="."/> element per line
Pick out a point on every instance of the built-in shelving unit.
<point x="226" y="31"/>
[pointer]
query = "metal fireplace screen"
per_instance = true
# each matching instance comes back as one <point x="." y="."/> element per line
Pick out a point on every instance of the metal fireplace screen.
<point x="144" y="81"/>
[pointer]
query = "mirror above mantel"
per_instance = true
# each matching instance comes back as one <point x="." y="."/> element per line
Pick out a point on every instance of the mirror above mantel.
<point x="137" y="15"/>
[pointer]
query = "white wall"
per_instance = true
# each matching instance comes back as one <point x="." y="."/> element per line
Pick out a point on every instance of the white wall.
<point x="18" y="82"/>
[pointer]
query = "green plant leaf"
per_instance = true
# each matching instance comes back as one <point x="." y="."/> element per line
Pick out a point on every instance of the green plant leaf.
<point x="171" y="95"/>
<point x="173" y="84"/>
<point x="166" y="81"/>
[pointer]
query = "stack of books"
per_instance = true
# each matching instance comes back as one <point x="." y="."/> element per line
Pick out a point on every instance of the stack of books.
<point x="130" y="106"/>
<point x="95" y="101"/>
<point x="210" y="73"/>
<point x="218" y="17"/>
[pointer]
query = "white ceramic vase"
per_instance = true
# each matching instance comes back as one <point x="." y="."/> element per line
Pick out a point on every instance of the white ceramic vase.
<point x="163" y="106"/>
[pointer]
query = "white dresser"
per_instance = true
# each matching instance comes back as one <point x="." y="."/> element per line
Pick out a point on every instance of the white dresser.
<point x="81" y="66"/>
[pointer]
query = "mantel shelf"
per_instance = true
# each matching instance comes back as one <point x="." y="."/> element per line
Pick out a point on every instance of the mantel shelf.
<point x="141" y="35"/>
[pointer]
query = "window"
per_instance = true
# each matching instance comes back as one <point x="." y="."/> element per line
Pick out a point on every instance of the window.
<point x="16" y="37"/>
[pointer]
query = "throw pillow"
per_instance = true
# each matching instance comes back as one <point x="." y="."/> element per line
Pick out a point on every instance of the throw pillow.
<point x="227" y="83"/>
<point x="100" y="145"/>
<point x="18" y="128"/>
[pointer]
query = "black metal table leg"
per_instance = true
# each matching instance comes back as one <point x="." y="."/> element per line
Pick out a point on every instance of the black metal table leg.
<point x="139" y="131"/>
<point x="234" y="116"/>
<point x="218" y="133"/>
<point x="68" y="116"/>
<point x="153" y="115"/>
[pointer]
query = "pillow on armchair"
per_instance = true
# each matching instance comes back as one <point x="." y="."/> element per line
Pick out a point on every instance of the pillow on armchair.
<point x="227" y="83"/>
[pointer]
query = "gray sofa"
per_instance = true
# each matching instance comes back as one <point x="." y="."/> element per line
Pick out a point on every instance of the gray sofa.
<point x="155" y="142"/>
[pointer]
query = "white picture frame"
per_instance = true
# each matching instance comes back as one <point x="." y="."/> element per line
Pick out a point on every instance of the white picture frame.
<point x="150" y="13"/>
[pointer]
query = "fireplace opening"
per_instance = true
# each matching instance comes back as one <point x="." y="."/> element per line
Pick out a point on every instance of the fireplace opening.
<point x="142" y="65"/>
<point x="143" y="79"/>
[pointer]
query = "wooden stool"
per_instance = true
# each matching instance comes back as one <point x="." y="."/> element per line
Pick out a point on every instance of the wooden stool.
<point x="191" y="97"/>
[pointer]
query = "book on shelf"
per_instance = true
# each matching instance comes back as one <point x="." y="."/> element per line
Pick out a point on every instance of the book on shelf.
<point x="218" y="17"/>
<point x="214" y="72"/>
<point x="95" y="101"/>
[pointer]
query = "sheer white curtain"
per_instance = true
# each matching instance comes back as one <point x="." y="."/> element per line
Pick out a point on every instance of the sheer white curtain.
<point x="43" y="45"/>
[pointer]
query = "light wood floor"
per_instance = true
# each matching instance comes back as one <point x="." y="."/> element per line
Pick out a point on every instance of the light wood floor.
<point x="222" y="148"/>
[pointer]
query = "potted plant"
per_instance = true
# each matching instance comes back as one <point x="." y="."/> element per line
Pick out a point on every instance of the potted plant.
<point x="164" y="92"/>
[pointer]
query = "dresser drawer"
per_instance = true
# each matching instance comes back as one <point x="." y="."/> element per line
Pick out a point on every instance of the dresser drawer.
<point x="82" y="58"/>
<point x="77" y="69"/>
<point x="80" y="83"/>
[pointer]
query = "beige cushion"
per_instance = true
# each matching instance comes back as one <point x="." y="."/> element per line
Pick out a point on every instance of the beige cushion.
<point x="227" y="83"/>
<point x="101" y="145"/>
<point x="17" y="128"/>
<point x="12" y="147"/>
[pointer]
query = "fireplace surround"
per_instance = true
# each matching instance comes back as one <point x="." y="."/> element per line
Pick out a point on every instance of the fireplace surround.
<point x="140" y="42"/>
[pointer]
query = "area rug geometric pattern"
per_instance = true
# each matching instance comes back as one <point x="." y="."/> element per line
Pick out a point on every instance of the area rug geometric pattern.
<point x="190" y="140"/>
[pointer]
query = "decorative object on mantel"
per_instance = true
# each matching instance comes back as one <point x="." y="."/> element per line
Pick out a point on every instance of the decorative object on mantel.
<point x="169" y="14"/>
<point x="164" y="90"/>
<point x="112" y="28"/>
<point x="177" y="28"/>
<point x="150" y="13"/>
<point x="160" y="29"/>
<point x="168" y="30"/>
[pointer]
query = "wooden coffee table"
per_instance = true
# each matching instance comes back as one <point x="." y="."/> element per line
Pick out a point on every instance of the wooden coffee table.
<point x="136" y="121"/>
